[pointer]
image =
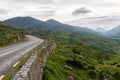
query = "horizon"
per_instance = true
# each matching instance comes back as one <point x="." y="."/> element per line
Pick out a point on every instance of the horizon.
<point x="75" y="25"/>
<point x="91" y="14"/>
<point x="60" y="40"/>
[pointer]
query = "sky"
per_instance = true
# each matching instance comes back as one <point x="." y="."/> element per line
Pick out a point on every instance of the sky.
<point x="85" y="13"/>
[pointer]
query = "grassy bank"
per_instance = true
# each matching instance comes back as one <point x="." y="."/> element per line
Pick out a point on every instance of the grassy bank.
<point x="10" y="36"/>
<point x="80" y="63"/>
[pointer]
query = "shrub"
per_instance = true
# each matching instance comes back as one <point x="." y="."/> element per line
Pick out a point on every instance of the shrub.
<point x="93" y="74"/>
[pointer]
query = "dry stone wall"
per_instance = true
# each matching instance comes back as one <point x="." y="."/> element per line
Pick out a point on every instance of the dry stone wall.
<point x="33" y="68"/>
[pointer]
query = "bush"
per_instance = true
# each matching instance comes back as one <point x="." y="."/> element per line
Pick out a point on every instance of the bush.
<point x="75" y="64"/>
<point x="117" y="75"/>
<point x="93" y="74"/>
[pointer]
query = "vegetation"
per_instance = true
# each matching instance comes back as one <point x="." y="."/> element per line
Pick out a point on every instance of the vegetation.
<point x="81" y="56"/>
<point x="9" y="35"/>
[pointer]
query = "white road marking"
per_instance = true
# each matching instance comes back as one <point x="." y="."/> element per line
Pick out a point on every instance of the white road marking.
<point x="1" y="77"/>
<point x="14" y="53"/>
<point x="16" y="63"/>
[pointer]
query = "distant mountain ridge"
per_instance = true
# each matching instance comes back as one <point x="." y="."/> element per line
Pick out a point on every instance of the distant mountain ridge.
<point x="51" y="24"/>
<point x="100" y="30"/>
<point x="23" y="21"/>
<point x="115" y="32"/>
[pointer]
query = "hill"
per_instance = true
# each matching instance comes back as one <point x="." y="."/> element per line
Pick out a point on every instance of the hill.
<point x="82" y="56"/>
<point x="9" y="35"/>
<point x="80" y="53"/>
<point x="51" y="24"/>
<point x="115" y="32"/>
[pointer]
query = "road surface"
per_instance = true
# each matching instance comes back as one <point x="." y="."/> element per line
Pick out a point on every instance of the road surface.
<point x="13" y="53"/>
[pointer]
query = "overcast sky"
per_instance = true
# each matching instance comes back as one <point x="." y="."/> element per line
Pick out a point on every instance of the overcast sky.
<point x="88" y="13"/>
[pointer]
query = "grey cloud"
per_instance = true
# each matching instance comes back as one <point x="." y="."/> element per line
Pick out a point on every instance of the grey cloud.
<point x="4" y="11"/>
<point x="93" y="3"/>
<point x="43" y="14"/>
<point x="104" y="22"/>
<point x="49" y="13"/>
<point x="43" y="7"/>
<point x="48" y="7"/>
<point x="34" y="1"/>
<point x="82" y="10"/>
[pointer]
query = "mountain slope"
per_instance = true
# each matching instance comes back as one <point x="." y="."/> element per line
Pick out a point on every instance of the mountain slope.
<point x="53" y="25"/>
<point x="79" y="55"/>
<point x="115" y="31"/>
<point x="22" y="21"/>
<point x="9" y="35"/>
<point x="100" y="30"/>
<point x="89" y="56"/>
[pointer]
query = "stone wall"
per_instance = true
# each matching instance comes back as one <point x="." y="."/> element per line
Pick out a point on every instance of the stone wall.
<point x="33" y="68"/>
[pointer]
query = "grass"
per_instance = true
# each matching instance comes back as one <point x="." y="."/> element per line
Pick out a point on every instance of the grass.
<point x="10" y="36"/>
<point x="55" y="65"/>
<point x="41" y="57"/>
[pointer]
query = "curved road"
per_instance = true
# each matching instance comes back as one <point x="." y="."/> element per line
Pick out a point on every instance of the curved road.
<point x="13" y="53"/>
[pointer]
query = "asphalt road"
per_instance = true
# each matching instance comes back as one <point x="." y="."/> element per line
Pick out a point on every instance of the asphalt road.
<point x="11" y="54"/>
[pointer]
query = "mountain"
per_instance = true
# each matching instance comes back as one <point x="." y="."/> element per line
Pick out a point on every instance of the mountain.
<point x="51" y="24"/>
<point x="85" y="54"/>
<point x="23" y="21"/>
<point x="100" y="30"/>
<point x="115" y="32"/>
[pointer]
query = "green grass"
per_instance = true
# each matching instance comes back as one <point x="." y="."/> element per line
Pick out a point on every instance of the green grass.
<point x="9" y="36"/>
<point x="97" y="67"/>
<point x="100" y="54"/>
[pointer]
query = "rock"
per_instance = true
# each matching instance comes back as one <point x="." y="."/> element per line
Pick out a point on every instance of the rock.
<point x="86" y="67"/>
<point x="2" y="25"/>
<point x="81" y="56"/>
<point x="62" y="51"/>
<point x="33" y="68"/>
<point x="117" y="65"/>
<point x="71" y="78"/>
<point x="104" y="56"/>
<point x="68" y="67"/>
<point x="20" y="78"/>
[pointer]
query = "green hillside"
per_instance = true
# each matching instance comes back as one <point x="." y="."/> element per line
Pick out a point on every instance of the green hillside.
<point x="115" y="32"/>
<point x="81" y="56"/>
<point x="9" y="35"/>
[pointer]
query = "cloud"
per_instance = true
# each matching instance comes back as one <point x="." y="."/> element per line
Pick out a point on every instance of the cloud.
<point x="82" y="10"/>
<point x="93" y="3"/>
<point x="105" y="22"/>
<point x="49" y="13"/>
<point x="34" y="1"/>
<point x="42" y="14"/>
<point x="4" y="11"/>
